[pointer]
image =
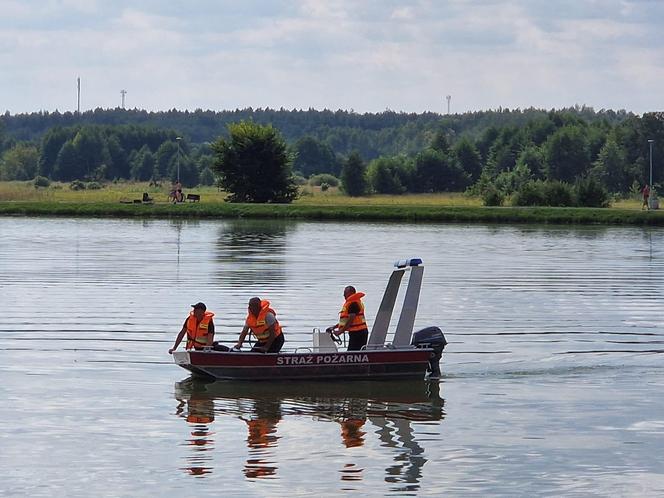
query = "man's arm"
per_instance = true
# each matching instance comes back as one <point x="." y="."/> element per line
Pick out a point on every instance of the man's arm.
<point x="179" y="338"/>
<point x="342" y="328"/>
<point x="353" y="310"/>
<point x="243" y="335"/>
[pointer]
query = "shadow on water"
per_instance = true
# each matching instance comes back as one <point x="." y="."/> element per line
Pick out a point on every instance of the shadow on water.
<point x="252" y="251"/>
<point x="563" y="232"/>
<point x="391" y="408"/>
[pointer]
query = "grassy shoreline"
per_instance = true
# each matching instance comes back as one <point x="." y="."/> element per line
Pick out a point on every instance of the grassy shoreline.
<point x="22" y="199"/>
<point x="412" y="213"/>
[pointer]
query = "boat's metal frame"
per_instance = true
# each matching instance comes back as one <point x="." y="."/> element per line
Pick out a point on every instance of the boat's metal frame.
<point x="399" y="359"/>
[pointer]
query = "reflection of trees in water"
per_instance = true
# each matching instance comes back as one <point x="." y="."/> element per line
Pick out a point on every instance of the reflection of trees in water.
<point x="391" y="407"/>
<point x="252" y="251"/>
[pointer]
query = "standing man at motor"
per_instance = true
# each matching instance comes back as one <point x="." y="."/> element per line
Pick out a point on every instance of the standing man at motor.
<point x="199" y="328"/>
<point x="351" y="320"/>
<point x="262" y="322"/>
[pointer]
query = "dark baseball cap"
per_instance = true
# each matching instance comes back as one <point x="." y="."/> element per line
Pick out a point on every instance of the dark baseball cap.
<point x="199" y="305"/>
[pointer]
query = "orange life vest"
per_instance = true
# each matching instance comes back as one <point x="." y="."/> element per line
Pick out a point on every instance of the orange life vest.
<point x="197" y="332"/>
<point x="261" y="432"/>
<point x="351" y="432"/>
<point x="359" y="323"/>
<point x="259" y="327"/>
<point x="199" y="419"/>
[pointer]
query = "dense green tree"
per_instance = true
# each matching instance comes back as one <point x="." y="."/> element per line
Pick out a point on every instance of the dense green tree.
<point x="539" y="129"/>
<point x="189" y="173"/>
<point x="532" y="157"/>
<point x="119" y="166"/>
<point x="353" y="176"/>
<point x="386" y="175"/>
<point x="511" y="181"/>
<point x="590" y="193"/>
<point x="437" y="172"/>
<point x="164" y="157"/>
<point x="253" y="164"/>
<point x="469" y="158"/>
<point x="67" y="165"/>
<point x="545" y="193"/>
<point x="313" y="156"/>
<point x="3" y="135"/>
<point x="143" y="165"/>
<point x="489" y="136"/>
<point x="91" y="150"/>
<point x="440" y="143"/>
<point x="52" y="142"/>
<point x="596" y="137"/>
<point x="205" y="161"/>
<point x="611" y="168"/>
<point x="566" y="154"/>
<point x="206" y="177"/>
<point x="21" y="162"/>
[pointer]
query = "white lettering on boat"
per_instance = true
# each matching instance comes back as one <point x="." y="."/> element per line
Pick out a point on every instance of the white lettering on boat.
<point x="324" y="359"/>
<point x="343" y="358"/>
<point x="294" y="360"/>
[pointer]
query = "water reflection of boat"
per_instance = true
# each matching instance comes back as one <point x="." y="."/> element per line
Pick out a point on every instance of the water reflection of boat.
<point x="408" y="356"/>
<point x="384" y="408"/>
<point x="198" y="411"/>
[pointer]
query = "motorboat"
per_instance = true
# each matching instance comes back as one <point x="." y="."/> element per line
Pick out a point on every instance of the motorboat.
<point x="409" y="355"/>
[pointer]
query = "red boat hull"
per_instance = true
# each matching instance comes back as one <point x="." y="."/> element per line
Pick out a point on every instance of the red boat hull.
<point x="370" y="364"/>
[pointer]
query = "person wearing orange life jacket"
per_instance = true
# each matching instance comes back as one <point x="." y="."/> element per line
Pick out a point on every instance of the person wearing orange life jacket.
<point x="262" y="322"/>
<point x="198" y="327"/>
<point x="351" y="320"/>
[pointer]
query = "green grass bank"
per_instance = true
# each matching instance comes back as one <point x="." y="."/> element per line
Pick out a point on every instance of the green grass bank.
<point x="350" y="212"/>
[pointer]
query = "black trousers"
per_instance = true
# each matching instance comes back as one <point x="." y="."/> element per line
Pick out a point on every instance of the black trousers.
<point x="277" y="344"/>
<point x="357" y="340"/>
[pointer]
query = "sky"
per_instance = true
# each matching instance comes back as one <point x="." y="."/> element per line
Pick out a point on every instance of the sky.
<point x="360" y="55"/>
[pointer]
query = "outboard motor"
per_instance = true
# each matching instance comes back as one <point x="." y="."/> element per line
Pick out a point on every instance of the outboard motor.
<point x="431" y="337"/>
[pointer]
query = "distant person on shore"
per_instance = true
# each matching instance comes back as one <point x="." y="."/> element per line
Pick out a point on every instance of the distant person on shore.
<point x="179" y="197"/>
<point x="198" y="327"/>
<point x="646" y="196"/>
<point x="351" y="320"/>
<point x="262" y="322"/>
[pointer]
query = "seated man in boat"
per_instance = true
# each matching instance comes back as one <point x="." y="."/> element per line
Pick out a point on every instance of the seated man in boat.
<point x="199" y="328"/>
<point x="262" y="322"/>
<point x="351" y="320"/>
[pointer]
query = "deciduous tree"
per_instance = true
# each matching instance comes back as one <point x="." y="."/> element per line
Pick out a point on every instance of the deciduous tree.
<point x="254" y="165"/>
<point x="566" y="154"/>
<point x="19" y="163"/>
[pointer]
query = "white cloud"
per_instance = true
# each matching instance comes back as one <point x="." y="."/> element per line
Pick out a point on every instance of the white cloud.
<point x="325" y="9"/>
<point x="402" y="13"/>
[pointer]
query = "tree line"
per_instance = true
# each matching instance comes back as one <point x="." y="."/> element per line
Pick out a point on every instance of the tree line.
<point x="492" y="153"/>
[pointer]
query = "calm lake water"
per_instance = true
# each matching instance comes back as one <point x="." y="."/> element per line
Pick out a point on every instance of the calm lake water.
<point x="553" y="378"/>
